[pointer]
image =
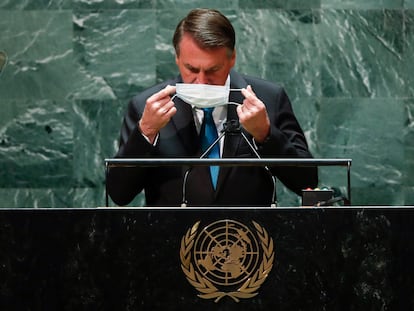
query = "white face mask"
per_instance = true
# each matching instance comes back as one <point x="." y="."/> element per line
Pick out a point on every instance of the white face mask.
<point x="203" y="95"/>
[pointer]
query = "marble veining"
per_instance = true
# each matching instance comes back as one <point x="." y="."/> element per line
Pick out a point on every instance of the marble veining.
<point x="74" y="64"/>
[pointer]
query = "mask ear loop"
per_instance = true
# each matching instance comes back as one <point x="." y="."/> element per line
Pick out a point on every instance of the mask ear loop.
<point x="234" y="103"/>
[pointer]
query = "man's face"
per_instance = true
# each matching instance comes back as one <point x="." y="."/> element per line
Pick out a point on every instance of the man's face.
<point x="196" y="65"/>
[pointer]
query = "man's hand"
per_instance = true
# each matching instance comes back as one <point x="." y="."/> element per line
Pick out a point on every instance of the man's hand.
<point x="253" y="115"/>
<point x="158" y="111"/>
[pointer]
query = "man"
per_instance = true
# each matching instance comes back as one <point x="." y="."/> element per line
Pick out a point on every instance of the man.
<point x="159" y="124"/>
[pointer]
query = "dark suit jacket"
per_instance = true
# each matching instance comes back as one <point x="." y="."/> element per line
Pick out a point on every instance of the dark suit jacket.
<point x="237" y="186"/>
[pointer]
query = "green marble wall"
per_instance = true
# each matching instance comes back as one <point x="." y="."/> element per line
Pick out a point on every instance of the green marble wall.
<point x="73" y="65"/>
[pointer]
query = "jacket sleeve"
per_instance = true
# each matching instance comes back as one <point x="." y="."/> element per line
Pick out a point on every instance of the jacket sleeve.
<point x="287" y="140"/>
<point x="124" y="183"/>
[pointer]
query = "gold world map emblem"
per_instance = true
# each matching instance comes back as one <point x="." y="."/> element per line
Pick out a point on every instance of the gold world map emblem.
<point x="226" y="258"/>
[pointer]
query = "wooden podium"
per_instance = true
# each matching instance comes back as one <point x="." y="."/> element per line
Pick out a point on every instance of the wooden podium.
<point x="350" y="258"/>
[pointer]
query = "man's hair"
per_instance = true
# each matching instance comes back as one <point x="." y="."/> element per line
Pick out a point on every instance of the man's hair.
<point x="209" y="28"/>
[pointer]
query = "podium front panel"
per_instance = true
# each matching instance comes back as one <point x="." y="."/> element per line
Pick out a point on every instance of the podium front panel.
<point x="352" y="258"/>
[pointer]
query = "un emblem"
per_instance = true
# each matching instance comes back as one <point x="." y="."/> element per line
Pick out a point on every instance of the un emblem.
<point x="226" y="258"/>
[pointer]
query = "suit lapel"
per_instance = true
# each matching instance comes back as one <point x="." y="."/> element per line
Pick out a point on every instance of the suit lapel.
<point x="232" y="140"/>
<point x="183" y="121"/>
<point x="182" y="124"/>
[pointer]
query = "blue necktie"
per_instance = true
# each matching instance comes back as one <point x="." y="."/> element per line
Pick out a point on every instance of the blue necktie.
<point x="208" y="136"/>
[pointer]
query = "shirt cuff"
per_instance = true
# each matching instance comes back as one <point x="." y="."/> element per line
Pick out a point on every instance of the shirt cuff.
<point x="146" y="137"/>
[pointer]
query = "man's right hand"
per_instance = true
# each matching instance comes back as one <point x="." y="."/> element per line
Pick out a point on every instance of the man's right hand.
<point x="158" y="111"/>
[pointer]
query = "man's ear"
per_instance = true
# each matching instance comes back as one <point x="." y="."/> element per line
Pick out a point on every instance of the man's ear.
<point x="176" y="59"/>
<point x="233" y="58"/>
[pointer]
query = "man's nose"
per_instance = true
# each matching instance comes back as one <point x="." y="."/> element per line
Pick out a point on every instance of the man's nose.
<point x="201" y="78"/>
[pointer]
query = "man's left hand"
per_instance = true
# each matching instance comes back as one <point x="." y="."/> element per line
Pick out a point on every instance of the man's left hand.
<point x="253" y="115"/>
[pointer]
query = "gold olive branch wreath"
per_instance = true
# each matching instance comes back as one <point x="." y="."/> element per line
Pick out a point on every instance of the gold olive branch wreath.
<point x="206" y="288"/>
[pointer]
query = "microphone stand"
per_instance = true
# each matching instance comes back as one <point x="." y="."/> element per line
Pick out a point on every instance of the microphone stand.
<point x="187" y="172"/>
<point x="231" y="127"/>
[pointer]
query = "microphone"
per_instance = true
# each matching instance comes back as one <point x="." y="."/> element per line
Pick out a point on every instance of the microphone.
<point x="231" y="127"/>
<point x="3" y="61"/>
